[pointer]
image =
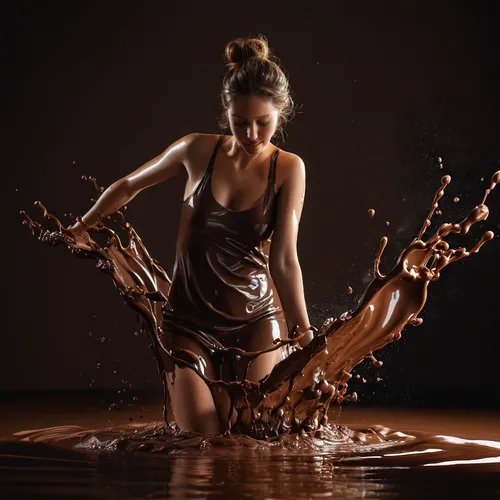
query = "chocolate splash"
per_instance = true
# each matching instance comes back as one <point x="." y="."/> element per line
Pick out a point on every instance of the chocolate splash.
<point x="296" y="395"/>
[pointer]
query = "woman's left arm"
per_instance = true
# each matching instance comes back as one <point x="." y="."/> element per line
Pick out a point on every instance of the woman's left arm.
<point x="283" y="258"/>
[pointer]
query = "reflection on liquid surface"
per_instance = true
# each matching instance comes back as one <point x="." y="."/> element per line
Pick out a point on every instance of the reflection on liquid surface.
<point x="416" y="454"/>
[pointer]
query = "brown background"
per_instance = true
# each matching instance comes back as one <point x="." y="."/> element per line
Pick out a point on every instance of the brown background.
<point x="383" y="89"/>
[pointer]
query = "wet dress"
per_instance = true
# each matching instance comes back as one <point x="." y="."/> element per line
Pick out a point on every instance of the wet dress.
<point x="222" y="293"/>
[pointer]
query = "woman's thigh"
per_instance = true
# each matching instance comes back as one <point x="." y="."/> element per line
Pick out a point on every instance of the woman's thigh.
<point x="259" y="337"/>
<point x="194" y="405"/>
<point x="190" y="397"/>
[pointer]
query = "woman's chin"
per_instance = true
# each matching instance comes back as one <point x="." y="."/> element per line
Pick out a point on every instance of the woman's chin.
<point x="252" y="150"/>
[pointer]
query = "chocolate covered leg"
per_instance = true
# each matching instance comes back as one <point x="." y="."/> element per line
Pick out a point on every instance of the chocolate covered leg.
<point x="190" y="398"/>
<point x="261" y="337"/>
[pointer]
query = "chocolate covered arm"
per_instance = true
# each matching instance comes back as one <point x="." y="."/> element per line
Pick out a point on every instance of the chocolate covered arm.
<point x="166" y="165"/>
<point x="283" y="259"/>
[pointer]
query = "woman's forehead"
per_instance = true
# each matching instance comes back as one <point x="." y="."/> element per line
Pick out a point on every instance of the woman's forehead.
<point x="252" y="106"/>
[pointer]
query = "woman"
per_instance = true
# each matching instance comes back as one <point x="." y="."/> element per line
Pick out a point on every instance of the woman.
<point x="231" y="283"/>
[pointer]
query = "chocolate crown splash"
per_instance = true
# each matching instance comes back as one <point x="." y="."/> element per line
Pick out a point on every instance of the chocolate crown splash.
<point x="298" y="392"/>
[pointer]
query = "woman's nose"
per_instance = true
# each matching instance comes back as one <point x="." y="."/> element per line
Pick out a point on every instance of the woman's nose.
<point x="252" y="132"/>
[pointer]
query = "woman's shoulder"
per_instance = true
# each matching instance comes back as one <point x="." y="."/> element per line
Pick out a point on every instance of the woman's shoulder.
<point x="200" y="143"/>
<point x="202" y="138"/>
<point x="289" y="166"/>
<point x="291" y="160"/>
<point x="198" y="147"/>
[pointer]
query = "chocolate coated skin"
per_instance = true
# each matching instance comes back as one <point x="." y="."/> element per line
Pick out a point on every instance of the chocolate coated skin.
<point x="238" y="182"/>
<point x="222" y="295"/>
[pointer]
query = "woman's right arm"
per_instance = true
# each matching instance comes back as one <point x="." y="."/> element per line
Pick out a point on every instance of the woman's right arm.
<point x="164" y="166"/>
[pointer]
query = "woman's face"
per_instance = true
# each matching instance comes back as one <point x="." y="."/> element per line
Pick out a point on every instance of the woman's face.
<point x="253" y="121"/>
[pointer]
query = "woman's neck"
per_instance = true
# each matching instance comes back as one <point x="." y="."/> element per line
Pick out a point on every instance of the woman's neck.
<point x="240" y="158"/>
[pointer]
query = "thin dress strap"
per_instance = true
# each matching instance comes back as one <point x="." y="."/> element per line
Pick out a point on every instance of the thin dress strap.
<point x="272" y="171"/>
<point x="201" y="185"/>
<point x="214" y="154"/>
<point x="205" y="180"/>
<point x="271" y="180"/>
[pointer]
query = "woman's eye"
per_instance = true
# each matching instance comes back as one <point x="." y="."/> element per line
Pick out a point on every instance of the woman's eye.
<point x="243" y="124"/>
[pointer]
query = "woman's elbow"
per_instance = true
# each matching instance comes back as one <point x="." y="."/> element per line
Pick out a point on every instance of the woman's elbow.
<point x="283" y="265"/>
<point x="125" y="187"/>
<point x="119" y="193"/>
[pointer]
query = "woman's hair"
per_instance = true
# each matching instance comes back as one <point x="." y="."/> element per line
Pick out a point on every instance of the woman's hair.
<point x="252" y="70"/>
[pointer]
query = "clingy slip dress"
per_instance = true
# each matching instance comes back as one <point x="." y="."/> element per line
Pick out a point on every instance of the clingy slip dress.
<point x="222" y="293"/>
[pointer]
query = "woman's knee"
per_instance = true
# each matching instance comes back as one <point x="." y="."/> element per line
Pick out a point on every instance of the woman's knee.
<point x="192" y="402"/>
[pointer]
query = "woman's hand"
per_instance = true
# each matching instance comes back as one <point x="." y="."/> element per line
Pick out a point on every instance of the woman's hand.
<point x="303" y="336"/>
<point x="309" y="335"/>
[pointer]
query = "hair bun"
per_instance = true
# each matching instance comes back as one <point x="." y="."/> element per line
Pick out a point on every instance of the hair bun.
<point x="241" y="49"/>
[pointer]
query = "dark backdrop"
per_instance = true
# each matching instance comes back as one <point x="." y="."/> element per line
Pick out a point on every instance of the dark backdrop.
<point x="383" y="90"/>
